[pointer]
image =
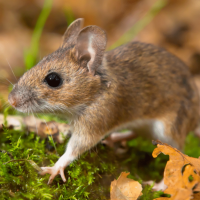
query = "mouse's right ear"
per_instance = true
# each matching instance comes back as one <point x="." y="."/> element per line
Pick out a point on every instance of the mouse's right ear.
<point x="70" y="35"/>
<point x="90" y="47"/>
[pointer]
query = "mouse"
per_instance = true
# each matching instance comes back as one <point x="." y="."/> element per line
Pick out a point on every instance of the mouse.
<point x="136" y="86"/>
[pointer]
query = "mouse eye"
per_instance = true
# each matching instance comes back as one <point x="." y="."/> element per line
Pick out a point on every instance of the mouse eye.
<point x="53" y="80"/>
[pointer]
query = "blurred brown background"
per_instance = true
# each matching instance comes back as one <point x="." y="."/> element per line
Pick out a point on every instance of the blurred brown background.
<point x="176" y="28"/>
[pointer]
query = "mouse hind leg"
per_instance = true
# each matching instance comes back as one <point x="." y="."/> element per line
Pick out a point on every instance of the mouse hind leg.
<point x="176" y="127"/>
<point x="116" y="137"/>
<point x="166" y="129"/>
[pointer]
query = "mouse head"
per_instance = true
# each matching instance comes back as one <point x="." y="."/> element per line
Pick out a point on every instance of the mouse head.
<point x="65" y="80"/>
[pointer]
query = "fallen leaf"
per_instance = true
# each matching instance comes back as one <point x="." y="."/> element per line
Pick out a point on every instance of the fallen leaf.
<point x="181" y="173"/>
<point x="196" y="196"/>
<point x="124" y="188"/>
<point x="59" y="131"/>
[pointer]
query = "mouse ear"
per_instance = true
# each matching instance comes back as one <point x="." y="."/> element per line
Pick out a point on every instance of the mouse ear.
<point x="70" y="35"/>
<point x="90" y="47"/>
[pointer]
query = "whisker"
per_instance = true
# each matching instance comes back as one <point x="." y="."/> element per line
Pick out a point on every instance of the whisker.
<point x="9" y="82"/>
<point x="5" y="83"/>
<point x="11" y="69"/>
<point x="5" y="104"/>
<point x="50" y="109"/>
<point x="8" y="62"/>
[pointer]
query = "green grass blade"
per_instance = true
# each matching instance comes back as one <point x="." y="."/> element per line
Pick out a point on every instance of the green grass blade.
<point x="138" y="26"/>
<point x="69" y="15"/>
<point x="31" y="54"/>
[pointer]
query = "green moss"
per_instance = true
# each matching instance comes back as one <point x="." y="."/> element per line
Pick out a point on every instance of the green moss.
<point x="87" y="178"/>
<point x="24" y="181"/>
<point x="192" y="146"/>
<point x="144" y="165"/>
<point x="148" y="194"/>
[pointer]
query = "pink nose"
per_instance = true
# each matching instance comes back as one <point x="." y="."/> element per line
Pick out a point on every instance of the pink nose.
<point x="12" y="102"/>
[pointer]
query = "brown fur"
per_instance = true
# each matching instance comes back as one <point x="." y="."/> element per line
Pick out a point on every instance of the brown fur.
<point x="134" y="82"/>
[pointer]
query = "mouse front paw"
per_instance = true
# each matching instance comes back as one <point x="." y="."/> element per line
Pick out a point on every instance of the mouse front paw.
<point x="53" y="171"/>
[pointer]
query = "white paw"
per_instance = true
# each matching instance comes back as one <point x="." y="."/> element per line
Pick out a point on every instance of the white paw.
<point x="53" y="171"/>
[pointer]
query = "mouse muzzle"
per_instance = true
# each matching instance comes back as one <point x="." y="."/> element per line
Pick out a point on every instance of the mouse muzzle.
<point x="21" y="99"/>
<point x="12" y="100"/>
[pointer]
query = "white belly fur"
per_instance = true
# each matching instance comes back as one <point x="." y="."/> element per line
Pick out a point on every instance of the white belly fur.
<point x="152" y="129"/>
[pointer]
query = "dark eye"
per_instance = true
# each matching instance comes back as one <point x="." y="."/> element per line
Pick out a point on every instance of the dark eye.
<point x="53" y="80"/>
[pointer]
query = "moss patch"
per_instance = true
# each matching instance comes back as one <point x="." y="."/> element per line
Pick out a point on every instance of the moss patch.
<point x="87" y="178"/>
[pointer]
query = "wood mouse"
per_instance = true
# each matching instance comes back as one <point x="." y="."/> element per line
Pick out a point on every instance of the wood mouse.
<point x="137" y="86"/>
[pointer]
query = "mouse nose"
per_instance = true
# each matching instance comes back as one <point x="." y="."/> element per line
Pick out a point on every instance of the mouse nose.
<point x="12" y="101"/>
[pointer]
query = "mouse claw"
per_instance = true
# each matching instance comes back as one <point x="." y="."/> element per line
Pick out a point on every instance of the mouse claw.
<point x="53" y="171"/>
